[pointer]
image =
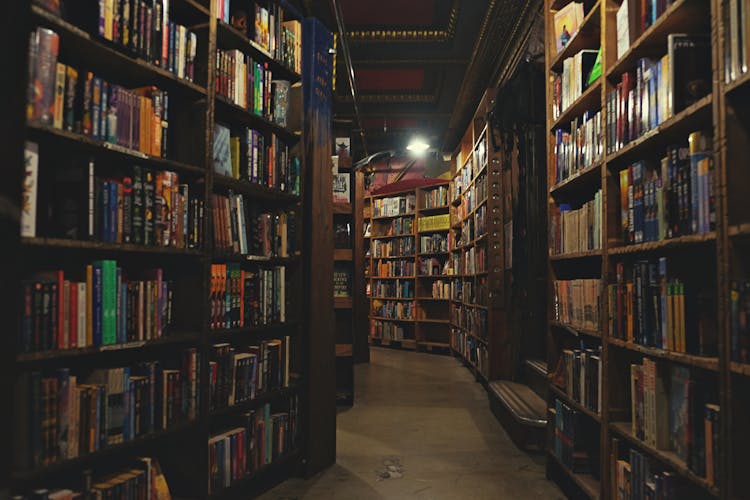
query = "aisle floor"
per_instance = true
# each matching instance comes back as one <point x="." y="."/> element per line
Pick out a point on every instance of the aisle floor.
<point x="421" y="428"/>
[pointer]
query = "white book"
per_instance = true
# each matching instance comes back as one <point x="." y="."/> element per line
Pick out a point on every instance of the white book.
<point x="30" y="181"/>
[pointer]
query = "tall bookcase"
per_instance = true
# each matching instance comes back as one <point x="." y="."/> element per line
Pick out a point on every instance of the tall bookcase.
<point x="183" y="446"/>
<point x="480" y="334"/>
<point x="408" y="267"/>
<point x="681" y="359"/>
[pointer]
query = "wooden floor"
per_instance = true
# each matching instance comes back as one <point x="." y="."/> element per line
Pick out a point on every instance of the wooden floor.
<point x="421" y="428"/>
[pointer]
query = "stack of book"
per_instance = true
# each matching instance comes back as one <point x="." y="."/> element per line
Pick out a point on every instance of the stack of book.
<point x="398" y="226"/>
<point x="241" y="374"/>
<point x="394" y="268"/>
<point x="431" y="266"/>
<point x="386" y="331"/>
<point x="78" y="101"/>
<point x="435" y="198"/>
<point x="393" y="248"/>
<point x="573" y="444"/>
<point x="393" y="310"/>
<point x="402" y="289"/>
<point x="577" y="303"/>
<point x="672" y="410"/>
<point x="106" y="307"/>
<point x="242" y="298"/>
<point x="472" y="350"/>
<point x="578" y="230"/>
<point x="651" y="307"/>
<point x="740" y="320"/>
<point x="474" y="260"/>
<point x="389" y="207"/>
<point x="573" y="81"/>
<point x="441" y="289"/>
<point x="433" y="243"/>
<point x="62" y="416"/>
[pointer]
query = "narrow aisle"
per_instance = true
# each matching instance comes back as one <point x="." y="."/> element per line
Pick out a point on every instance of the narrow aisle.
<point x="426" y="417"/>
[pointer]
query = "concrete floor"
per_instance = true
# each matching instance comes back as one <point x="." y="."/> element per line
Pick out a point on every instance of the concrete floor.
<point x="421" y="428"/>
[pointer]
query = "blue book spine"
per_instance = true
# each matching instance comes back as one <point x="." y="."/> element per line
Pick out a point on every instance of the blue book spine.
<point x="112" y="212"/>
<point x="96" y="302"/>
<point x="663" y="301"/>
<point x="103" y="132"/>
<point x="96" y="108"/>
<point x="638" y="215"/>
<point x="172" y="38"/>
<point x="105" y="212"/>
<point x="694" y="192"/>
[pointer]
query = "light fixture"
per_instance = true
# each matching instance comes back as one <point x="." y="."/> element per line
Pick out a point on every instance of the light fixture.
<point x="418" y="146"/>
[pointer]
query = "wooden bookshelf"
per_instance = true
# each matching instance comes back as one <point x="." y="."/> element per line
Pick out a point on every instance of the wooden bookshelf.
<point x="194" y="106"/>
<point x="429" y="326"/>
<point x="718" y="255"/>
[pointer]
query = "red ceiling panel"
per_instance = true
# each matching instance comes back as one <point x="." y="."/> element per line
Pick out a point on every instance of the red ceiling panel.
<point x="389" y="79"/>
<point x="388" y="13"/>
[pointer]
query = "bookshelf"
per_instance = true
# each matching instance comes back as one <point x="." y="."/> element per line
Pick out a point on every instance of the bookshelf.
<point x="408" y="262"/>
<point x="215" y="293"/>
<point x="479" y="332"/>
<point x="618" y="147"/>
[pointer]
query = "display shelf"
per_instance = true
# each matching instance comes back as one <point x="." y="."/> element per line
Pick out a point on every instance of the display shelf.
<point x="576" y="331"/>
<point x="561" y="394"/>
<point x="589" y="100"/>
<point x="703" y="362"/>
<point x="589" y="254"/>
<point x="587" y="37"/>
<point x="102" y="247"/>
<point x="226" y="110"/>
<point x="256" y="191"/>
<point x="591" y="176"/>
<point x="672" y="243"/>
<point x="586" y="482"/>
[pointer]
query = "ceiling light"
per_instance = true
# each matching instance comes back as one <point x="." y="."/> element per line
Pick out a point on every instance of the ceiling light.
<point x="418" y="146"/>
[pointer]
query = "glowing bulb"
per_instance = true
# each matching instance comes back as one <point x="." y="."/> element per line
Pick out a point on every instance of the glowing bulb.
<point x="418" y="146"/>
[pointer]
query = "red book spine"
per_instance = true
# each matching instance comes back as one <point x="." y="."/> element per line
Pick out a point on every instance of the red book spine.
<point x="73" y="316"/>
<point x="60" y="309"/>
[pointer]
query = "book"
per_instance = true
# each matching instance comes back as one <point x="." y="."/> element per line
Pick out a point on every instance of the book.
<point x="690" y="69"/>
<point x="566" y="22"/>
<point x="341" y="188"/>
<point x="30" y="187"/>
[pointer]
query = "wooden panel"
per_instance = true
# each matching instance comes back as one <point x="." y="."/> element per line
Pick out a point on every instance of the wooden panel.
<point x="343" y="350"/>
<point x="361" y="304"/>
<point x="342" y="254"/>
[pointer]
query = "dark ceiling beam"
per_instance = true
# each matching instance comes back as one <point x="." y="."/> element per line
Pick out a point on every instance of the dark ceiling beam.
<point x="487" y="64"/>
<point x="417" y="62"/>
<point x="403" y="114"/>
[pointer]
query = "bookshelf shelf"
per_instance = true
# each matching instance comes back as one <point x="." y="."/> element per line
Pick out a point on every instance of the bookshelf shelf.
<point x="436" y="321"/>
<point x="433" y="254"/>
<point x="433" y="299"/>
<point x="383" y="217"/>
<point x="392" y="257"/>
<point x="398" y="320"/>
<point x="590" y="99"/>
<point x="576" y="331"/>
<point x="705" y="363"/>
<point x="738" y="86"/>
<point x="138" y="346"/>
<point x="683" y="16"/>
<point x="587" y="37"/>
<point x="423" y="231"/>
<point x="258" y="259"/>
<point x="739" y="230"/>
<point x="342" y="254"/>
<point x="259" y="399"/>
<point x="442" y="208"/>
<point x="376" y="237"/>
<point x="85" y="141"/>
<point x="656" y="140"/>
<point x="101" y="247"/>
<point x="591" y="176"/>
<point x="109" y="61"/>
<point x="241" y="486"/>
<point x="252" y="332"/>
<point x="128" y="447"/>
<point x="740" y="368"/>
<point x="392" y="277"/>
<point x="406" y="299"/>
<point x="561" y="394"/>
<point x="655" y="246"/>
<point x="589" y="254"/>
<point x="434" y="276"/>
<point x="228" y="37"/>
<point x="668" y="457"/>
<point x="190" y="6"/>
<point x="227" y="110"/>
<point x="588" y="483"/>
<point x="442" y="345"/>
<point x="256" y="191"/>
<point x="342" y="302"/>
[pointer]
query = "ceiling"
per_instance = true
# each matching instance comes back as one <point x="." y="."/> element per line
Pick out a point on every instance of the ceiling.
<point x="421" y="66"/>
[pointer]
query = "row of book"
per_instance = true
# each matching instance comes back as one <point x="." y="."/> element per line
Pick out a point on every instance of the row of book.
<point x="577" y="303"/>
<point x="239" y="374"/>
<point x="737" y="39"/>
<point x="394" y="268"/>
<point x="396" y="227"/>
<point x="672" y="410"/>
<point x="242" y="298"/>
<point x="402" y="289"/>
<point x="143" y="29"/>
<point x="470" y="319"/>
<point x="435" y="198"/>
<point x="252" y="156"/>
<point x="579" y="149"/>
<point x="573" y="81"/>
<point x="107" y="307"/>
<point x="397" y="205"/>
<point x="250" y="85"/>
<point x="658" y="89"/>
<point x="387" y="331"/>
<point x="261" y="439"/>
<point x="574" y="445"/>
<point x="267" y="25"/>
<point x="78" y="101"/>
<point x="676" y="199"/>
<point x="467" y="232"/>
<point x="142" y="480"/>
<point x="474" y="260"/>
<point x="392" y="309"/>
<point x="651" y="307"/>
<point x="636" y="477"/>
<point x="245" y="230"/>
<point x="739" y="317"/>
<point x="431" y="266"/>
<point x="439" y="222"/>
<point x="634" y="17"/>
<point x="441" y="289"/>
<point x="474" y="196"/>
<point x="393" y="248"/>
<point x="480" y="221"/>
<point x="62" y="416"/>
<point x="576" y="230"/>
<point x="433" y="243"/>
<point x="581" y="379"/>
<point x="471" y="349"/>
